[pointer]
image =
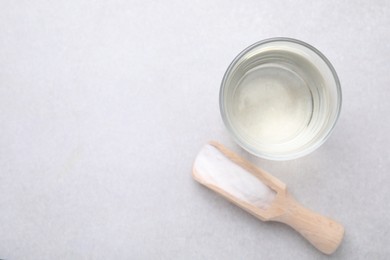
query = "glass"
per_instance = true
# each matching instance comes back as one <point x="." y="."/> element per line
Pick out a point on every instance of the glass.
<point x="280" y="98"/>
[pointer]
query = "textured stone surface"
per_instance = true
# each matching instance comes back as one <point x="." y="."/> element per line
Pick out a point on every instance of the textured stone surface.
<point x="105" y="104"/>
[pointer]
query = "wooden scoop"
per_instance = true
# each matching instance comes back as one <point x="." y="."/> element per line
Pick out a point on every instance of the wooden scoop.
<point x="262" y="195"/>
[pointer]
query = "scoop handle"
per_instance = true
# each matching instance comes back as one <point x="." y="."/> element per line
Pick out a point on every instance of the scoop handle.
<point x="322" y="232"/>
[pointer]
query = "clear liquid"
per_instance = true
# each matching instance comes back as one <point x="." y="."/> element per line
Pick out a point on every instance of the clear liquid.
<point x="278" y="101"/>
<point x="280" y="98"/>
<point x="272" y="104"/>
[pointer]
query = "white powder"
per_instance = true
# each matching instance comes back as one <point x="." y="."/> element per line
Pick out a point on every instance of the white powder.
<point x="213" y="167"/>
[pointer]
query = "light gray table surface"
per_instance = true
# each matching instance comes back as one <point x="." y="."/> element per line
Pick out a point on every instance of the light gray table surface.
<point x="105" y="104"/>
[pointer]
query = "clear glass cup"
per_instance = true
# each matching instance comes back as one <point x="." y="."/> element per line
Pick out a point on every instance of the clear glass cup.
<point x="280" y="98"/>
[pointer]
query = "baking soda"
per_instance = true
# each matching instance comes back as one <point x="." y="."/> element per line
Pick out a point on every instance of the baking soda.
<point x="214" y="168"/>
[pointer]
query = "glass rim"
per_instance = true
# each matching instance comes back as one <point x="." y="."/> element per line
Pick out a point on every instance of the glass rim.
<point x="287" y="156"/>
